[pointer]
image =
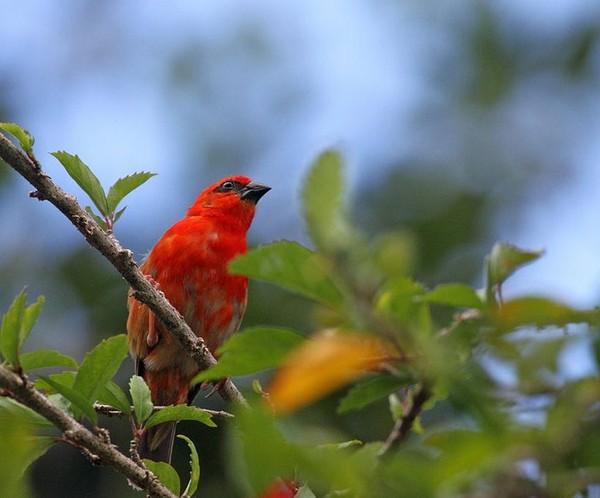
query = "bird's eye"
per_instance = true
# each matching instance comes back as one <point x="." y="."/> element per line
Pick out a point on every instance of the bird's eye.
<point x="228" y="185"/>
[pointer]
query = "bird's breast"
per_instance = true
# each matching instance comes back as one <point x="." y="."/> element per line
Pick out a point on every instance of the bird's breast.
<point x="191" y="271"/>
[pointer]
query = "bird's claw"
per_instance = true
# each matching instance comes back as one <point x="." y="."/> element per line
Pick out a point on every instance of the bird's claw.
<point x="151" y="281"/>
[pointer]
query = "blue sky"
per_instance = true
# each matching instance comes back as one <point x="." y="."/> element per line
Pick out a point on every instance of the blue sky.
<point x="282" y="81"/>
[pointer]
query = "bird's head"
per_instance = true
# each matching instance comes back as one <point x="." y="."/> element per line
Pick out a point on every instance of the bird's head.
<point x="233" y="196"/>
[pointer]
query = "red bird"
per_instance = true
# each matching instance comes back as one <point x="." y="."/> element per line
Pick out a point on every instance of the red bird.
<point x="189" y="265"/>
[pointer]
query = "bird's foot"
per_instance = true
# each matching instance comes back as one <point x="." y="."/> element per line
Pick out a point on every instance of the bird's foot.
<point x="152" y="282"/>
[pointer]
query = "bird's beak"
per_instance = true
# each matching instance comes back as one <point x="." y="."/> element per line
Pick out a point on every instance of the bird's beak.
<point x="254" y="191"/>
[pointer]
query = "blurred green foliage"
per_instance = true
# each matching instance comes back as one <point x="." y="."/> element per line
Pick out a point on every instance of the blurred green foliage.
<point x="420" y="220"/>
<point x="441" y="419"/>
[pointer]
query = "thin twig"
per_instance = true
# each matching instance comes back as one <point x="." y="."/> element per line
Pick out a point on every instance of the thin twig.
<point x="404" y="424"/>
<point x="120" y="258"/>
<point x="111" y="411"/>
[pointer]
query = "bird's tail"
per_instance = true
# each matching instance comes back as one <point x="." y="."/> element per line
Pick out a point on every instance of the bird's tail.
<point x="156" y="443"/>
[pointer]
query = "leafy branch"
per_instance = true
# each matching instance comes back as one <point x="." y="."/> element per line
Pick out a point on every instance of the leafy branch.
<point x="405" y="423"/>
<point x="76" y="392"/>
<point x="92" y="379"/>
<point x="120" y="258"/>
<point x="380" y="332"/>
<point x="106" y="203"/>
<point x="96" y="446"/>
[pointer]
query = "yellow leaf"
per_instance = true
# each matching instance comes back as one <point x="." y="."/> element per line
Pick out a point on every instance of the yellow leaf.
<point x="324" y="363"/>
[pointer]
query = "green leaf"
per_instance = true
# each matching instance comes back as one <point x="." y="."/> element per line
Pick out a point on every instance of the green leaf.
<point x="192" y="485"/>
<point x="123" y="186"/>
<point x="43" y="358"/>
<point x="541" y="312"/>
<point x="101" y="222"/>
<point x="12" y="409"/>
<point x="305" y="492"/>
<point x="11" y="327"/>
<point x="100" y="365"/>
<point x="269" y="457"/>
<point x="465" y="451"/>
<point x="39" y="445"/>
<point x="32" y="312"/>
<point x="369" y="391"/>
<point x="61" y="402"/>
<point x="396" y="407"/>
<point x="78" y="400"/>
<point x="322" y="202"/>
<point x="140" y="395"/>
<point x="401" y="299"/>
<point x="114" y="396"/>
<point x="455" y="294"/>
<point x="342" y="446"/>
<point x="253" y="350"/>
<point x="17" y="324"/>
<point x="294" y="267"/>
<point x="179" y="412"/>
<point x="118" y="214"/>
<point x="66" y="378"/>
<point x="266" y="453"/>
<point x="166" y="474"/>
<point x="258" y="389"/>
<point x="395" y="253"/>
<point x="17" y="450"/>
<point x="84" y="177"/>
<point x="25" y="138"/>
<point x="505" y="259"/>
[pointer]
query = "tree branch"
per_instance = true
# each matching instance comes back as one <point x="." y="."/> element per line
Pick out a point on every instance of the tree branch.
<point x="101" y="450"/>
<point x="110" y="411"/>
<point x="405" y="423"/>
<point x="122" y="259"/>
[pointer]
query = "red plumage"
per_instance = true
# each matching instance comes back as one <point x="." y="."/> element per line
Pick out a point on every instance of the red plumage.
<point x="189" y="265"/>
